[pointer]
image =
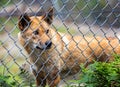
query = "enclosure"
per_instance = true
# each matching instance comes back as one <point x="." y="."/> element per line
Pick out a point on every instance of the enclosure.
<point x="90" y="18"/>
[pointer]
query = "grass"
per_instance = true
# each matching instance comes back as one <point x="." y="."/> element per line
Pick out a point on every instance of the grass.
<point x="63" y="29"/>
<point x="9" y="25"/>
<point x="9" y="66"/>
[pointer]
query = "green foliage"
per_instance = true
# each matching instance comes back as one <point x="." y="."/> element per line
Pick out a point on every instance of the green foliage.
<point x="7" y="81"/>
<point x="87" y="5"/>
<point x="101" y="74"/>
<point x="5" y="3"/>
<point x="28" y="80"/>
<point x="22" y="79"/>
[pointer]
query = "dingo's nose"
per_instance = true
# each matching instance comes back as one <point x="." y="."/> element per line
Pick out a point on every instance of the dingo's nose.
<point x="48" y="44"/>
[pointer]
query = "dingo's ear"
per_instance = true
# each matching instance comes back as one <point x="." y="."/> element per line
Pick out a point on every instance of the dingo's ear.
<point x="24" y="22"/>
<point x="48" y="17"/>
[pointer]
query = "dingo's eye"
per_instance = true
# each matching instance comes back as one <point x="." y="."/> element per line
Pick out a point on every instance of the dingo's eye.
<point x="47" y="31"/>
<point x="36" y="32"/>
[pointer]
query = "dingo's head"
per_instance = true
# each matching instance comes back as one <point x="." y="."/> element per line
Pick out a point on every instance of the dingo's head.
<point x="36" y="29"/>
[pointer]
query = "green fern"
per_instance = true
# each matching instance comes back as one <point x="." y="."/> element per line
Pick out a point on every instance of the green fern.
<point x="101" y="74"/>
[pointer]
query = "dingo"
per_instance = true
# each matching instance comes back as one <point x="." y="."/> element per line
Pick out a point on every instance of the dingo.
<point x="52" y="55"/>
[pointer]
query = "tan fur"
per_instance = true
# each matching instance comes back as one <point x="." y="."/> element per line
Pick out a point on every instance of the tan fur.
<point x="66" y="53"/>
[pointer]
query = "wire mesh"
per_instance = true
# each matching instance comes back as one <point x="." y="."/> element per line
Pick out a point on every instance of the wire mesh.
<point x="93" y="20"/>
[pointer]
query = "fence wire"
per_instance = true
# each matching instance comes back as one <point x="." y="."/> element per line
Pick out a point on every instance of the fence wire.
<point x="87" y="20"/>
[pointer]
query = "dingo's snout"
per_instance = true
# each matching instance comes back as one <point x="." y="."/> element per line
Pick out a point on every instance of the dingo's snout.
<point x="47" y="45"/>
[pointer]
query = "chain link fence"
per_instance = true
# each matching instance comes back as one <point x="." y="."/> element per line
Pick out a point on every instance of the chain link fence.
<point x="83" y="18"/>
